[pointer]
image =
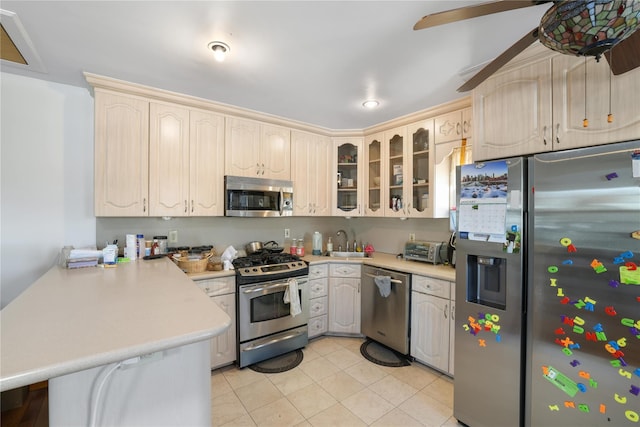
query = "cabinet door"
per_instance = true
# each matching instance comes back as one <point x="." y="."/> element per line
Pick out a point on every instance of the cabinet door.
<point x="420" y="188"/>
<point x="121" y="155"/>
<point x="347" y="193"/>
<point x="430" y="330"/>
<point x="275" y="152"/>
<point x="374" y="194"/>
<point x="396" y="171"/>
<point x="570" y="105"/>
<point x="452" y="328"/>
<point x="448" y="127"/>
<point x="301" y="149"/>
<point x="206" y="187"/>
<point x="321" y="178"/>
<point x="242" y="147"/>
<point x="223" y="346"/>
<point x="512" y="113"/>
<point x="344" y="305"/>
<point x="168" y="160"/>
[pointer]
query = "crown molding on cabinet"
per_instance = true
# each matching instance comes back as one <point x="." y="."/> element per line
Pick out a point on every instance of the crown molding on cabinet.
<point x="108" y="83"/>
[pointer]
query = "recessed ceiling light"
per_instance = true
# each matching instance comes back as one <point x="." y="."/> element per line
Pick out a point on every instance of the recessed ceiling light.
<point x="219" y="49"/>
<point x="370" y="103"/>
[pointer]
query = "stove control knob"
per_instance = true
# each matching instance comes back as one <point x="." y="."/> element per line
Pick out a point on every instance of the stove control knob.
<point x="246" y="270"/>
<point x="255" y="270"/>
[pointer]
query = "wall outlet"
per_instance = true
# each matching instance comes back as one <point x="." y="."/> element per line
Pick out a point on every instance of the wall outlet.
<point x="412" y="237"/>
<point x="287" y="233"/>
<point x="173" y="237"/>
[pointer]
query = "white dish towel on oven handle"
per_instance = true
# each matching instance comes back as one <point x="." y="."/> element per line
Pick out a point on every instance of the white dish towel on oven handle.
<point x="292" y="297"/>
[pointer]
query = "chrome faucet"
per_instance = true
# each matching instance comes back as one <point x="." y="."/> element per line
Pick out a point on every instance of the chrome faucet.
<point x="346" y="239"/>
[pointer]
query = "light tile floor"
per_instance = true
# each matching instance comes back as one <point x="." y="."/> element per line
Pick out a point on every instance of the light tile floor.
<point x="333" y="386"/>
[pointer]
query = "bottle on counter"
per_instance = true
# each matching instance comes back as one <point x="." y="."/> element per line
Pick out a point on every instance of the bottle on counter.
<point x="293" y="249"/>
<point x="359" y="247"/>
<point x="162" y="244"/>
<point x="140" y="246"/>
<point x="317" y="243"/>
<point x="329" y="245"/>
<point x="300" y="248"/>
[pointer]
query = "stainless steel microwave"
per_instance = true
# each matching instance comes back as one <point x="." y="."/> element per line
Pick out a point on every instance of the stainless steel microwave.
<point x="257" y="197"/>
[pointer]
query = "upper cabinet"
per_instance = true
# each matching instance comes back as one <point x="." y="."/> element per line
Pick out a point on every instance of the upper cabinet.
<point x="408" y="174"/>
<point x="540" y="105"/>
<point x="570" y="107"/>
<point x="156" y="159"/>
<point x="121" y="155"/>
<point x="311" y="157"/>
<point x="453" y="126"/>
<point x="348" y="177"/>
<point x="374" y="194"/>
<point x="255" y="149"/>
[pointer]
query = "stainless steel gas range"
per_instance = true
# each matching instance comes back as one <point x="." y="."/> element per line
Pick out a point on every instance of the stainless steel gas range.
<point x="266" y="326"/>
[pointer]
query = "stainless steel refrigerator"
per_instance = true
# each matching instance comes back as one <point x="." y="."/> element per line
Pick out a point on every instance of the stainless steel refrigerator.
<point x="548" y="290"/>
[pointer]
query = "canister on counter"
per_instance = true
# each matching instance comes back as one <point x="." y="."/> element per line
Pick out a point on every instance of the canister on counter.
<point x="162" y="244"/>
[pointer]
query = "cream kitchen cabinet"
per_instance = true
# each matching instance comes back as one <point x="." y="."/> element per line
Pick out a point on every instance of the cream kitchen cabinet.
<point x="569" y="104"/>
<point x="452" y="328"/>
<point x="349" y="176"/>
<point x="310" y="172"/>
<point x="414" y="171"/>
<point x="222" y="292"/>
<point x="453" y="126"/>
<point x="156" y="159"/>
<point x="255" y="149"/>
<point x="318" y="299"/>
<point x="539" y="105"/>
<point x="121" y="155"/>
<point x="431" y="321"/>
<point x="375" y="193"/>
<point x="344" y="298"/>
<point x="185" y="168"/>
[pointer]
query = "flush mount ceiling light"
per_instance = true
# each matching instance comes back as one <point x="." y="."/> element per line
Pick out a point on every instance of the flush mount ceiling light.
<point x="219" y="50"/>
<point x="370" y="103"/>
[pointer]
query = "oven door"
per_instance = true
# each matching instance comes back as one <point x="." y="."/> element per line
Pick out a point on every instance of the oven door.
<point x="262" y="310"/>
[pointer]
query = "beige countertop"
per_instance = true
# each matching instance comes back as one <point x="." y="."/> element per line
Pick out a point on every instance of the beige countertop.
<point x="379" y="259"/>
<point x="71" y="320"/>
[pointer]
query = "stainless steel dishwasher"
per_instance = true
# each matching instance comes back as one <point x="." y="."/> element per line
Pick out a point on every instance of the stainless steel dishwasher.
<point x="386" y="319"/>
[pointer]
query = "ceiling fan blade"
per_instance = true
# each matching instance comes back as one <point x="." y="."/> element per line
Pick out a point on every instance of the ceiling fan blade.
<point x="468" y="12"/>
<point x="501" y="60"/>
<point x="626" y="54"/>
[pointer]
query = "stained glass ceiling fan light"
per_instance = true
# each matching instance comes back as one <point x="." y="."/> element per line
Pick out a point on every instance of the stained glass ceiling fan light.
<point x="588" y="28"/>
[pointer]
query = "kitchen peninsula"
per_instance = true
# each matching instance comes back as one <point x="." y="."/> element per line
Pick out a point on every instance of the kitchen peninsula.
<point x="73" y="327"/>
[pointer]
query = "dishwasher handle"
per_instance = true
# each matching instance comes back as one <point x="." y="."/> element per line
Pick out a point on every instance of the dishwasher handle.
<point x="396" y="281"/>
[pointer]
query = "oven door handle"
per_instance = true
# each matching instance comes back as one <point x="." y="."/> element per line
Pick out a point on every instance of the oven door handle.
<point x="265" y="288"/>
<point x="399" y="282"/>
<point x="273" y="341"/>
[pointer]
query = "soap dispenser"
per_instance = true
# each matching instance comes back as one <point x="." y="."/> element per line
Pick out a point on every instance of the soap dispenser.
<point x="329" y="246"/>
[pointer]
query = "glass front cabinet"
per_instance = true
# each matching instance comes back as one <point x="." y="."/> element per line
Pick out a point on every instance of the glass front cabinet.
<point x="374" y="194"/>
<point x="347" y="200"/>
<point x="422" y="185"/>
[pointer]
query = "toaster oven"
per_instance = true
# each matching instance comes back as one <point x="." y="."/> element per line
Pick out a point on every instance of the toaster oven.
<point x="423" y="251"/>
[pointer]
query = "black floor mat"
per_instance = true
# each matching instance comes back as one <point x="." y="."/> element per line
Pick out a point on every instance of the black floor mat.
<point x="279" y="364"/>
<point x="381" y="355"/>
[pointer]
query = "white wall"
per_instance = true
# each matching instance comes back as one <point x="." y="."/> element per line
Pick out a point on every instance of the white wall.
<point x="46" y="177"/>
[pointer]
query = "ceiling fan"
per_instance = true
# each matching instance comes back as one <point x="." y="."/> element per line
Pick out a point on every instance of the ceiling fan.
<point x="574" y="27"/>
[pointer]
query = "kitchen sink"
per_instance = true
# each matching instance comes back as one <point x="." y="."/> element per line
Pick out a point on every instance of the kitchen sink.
<point x="347" y="254"/>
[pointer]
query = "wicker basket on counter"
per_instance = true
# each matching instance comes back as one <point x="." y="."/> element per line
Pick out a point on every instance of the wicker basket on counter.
<point x="194" y="265"/>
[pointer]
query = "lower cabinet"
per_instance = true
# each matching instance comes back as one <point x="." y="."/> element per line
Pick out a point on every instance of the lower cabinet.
<point x="431" y="326"/>
<point x="344" y="298"/>
<point x="318" y="299"/>
<point x="222" y="292"/>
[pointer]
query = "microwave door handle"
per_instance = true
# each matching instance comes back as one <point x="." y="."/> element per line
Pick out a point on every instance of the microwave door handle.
<point x="281" y="201"/>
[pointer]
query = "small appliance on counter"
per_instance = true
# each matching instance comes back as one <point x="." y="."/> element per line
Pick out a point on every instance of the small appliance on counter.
<point x="417" y="250"/>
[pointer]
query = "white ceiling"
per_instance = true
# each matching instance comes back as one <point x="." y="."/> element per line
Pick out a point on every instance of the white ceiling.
<point x="310" y="61"/>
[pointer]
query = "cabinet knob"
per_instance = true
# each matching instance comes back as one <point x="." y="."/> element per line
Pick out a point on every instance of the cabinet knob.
<point x="558" y="133"/>
<point x="544" y="135"/>
<point x="144" y="204"/>
<point x="192" y="205"/>
<point x="186" y="209"/>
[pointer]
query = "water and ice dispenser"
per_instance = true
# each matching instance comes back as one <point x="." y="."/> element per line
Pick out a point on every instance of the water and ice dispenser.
<point x="486" y="281"/>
